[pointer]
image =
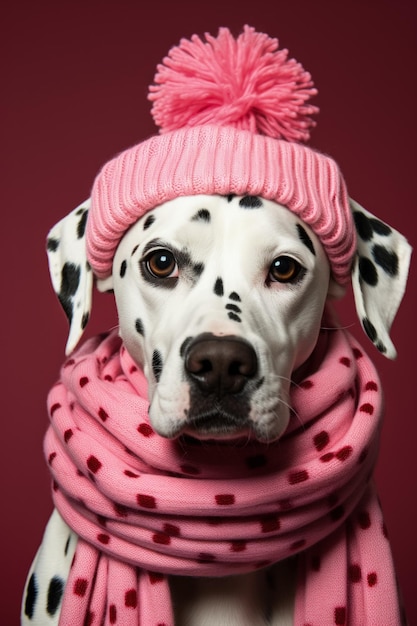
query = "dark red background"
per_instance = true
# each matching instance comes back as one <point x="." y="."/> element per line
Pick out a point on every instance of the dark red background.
<point x="74" y="94"/>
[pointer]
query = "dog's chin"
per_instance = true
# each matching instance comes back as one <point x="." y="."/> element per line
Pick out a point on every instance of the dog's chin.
<point x="217" y="426"/>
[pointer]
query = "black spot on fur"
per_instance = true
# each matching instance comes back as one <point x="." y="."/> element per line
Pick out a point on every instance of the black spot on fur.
<point x="387" y="259"/>
<point x="184" y="346"/>
<point x="260" y="383"/>
<point x="157" y="364"/>
<point x="380" y="346"/>
<point x="67" y="544"/>
<point x="148" y="222"/>
<point x="52" y="244"/>
<point x="233" y="307"/>
<point x="250" y="202"/>
<point x="234" y="317"/>
<point x="203" y="215"/>
<point x="55" y="591"/>
<point x="380" y="228"/>
<point x="198" y="269"/>
<point x="235" y="296"/>
<point x="230" y="197"/>
<point x="367" y="271"/>
<point x="370" y="329"/>
<point x="31" y="596"/>
<point x="70" y="280"/>
<point x="140" y="327"/>
<point x="363" y="226"/>
<point x="82" y="224"/>
<point x="218" y="287"/>
<point x="84" y="320"/>
<point x="134" y="249"/>
<point x="305" y="238"/>
<point x="366" y="227"/>
<point x="123" y="267"/>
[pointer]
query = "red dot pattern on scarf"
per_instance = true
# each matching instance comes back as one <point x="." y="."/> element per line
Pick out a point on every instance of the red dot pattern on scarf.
<point x="298" y="477"/>
<point x="146" y="501"/>
<point x="54" y="408"/>
<point x="363" y="455"/>
<point x="80" y="587"/>
<point x="103" y="415"/>
<point x="225" y="499"/>
<point x="344" y="453"/>
<point x="131" y="598"/>
<point x="93" y="464"/>
<point x="89" y="618"/>
<point x="155" y="577"/>
<point x="68" y="434"/>
<point x="266" y="523"/>
<point x="297" y="545"/>
<point x="325" y="458"/>
<point x="321" y="440"/>
<point x="238" y="546"/>
<point x="340" y="616"/>
<point x="145" y="430"/>
<point x="366" y="408"/>
<point x="206" y="557"/>
<point x="270" y="523"/>
<point x="306" y="384"/>
<point x="355" y="574"/>
<point x="162" y="538"/>
<point x="172" y="530"/>
<point x="357" y="353"/>
<point x="120" y="509"/>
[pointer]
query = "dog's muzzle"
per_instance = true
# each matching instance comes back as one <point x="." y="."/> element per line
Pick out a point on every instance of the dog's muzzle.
<point x="219" y="369"/>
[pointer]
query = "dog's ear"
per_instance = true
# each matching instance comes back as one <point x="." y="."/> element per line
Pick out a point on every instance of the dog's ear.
<point x="71" y="274"/>
<point x="379" y="276"/>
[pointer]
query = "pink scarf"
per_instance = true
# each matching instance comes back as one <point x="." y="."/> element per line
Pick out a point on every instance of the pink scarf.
<point x="144" y="506"/>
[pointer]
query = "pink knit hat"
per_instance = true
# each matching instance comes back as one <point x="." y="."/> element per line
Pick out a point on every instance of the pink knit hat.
<point x="231" y="114"/>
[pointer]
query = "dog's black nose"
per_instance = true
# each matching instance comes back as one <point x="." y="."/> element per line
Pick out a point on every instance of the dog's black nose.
<point x="220" y="365"/>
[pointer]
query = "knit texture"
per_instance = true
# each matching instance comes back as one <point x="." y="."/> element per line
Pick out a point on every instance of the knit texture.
<point x="231" y="114"/>
<point x="144" y="506"/>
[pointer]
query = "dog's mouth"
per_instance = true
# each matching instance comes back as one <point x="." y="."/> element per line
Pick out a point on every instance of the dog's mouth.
<point x="216" y="424"/>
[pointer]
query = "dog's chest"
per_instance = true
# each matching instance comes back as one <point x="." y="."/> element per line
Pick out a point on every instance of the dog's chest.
<point x="261" y="598"/>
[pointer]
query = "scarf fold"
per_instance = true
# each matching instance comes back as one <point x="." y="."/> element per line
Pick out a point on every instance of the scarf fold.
<point x="144" y="506"/>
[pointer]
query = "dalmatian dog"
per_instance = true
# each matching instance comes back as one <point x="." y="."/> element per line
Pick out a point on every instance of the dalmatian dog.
<point x="221" y="309"/>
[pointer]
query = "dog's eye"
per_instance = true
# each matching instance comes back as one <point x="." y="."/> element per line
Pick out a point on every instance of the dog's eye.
<point x="161" y="264"/>
<point x="285" y="269"/>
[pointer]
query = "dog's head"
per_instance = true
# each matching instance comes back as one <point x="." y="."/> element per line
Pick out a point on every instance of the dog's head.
<point x="220" y="299"/>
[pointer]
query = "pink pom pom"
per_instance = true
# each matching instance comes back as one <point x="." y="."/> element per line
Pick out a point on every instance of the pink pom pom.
<point x="245" y="82"/>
